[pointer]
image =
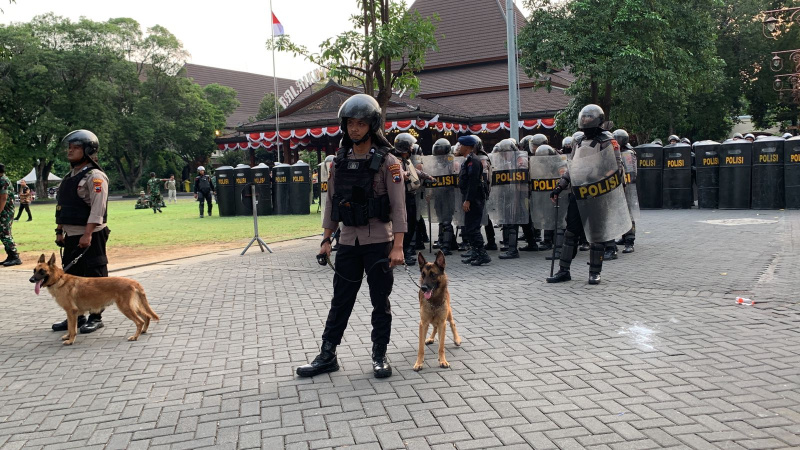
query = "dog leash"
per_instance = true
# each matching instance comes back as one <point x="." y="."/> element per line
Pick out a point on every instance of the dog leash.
<point x="74" y="261"/>
<point x="327" y="261"/>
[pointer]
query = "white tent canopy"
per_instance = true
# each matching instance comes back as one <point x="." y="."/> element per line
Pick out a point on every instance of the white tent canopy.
<point x="31" y="177"/>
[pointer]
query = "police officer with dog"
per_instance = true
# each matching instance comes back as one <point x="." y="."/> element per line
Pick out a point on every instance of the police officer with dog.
<point x="81" y="216"/>
<point x="473" y="181"/>
<point x="595" y="176"/>
<point x="366" y="194"/>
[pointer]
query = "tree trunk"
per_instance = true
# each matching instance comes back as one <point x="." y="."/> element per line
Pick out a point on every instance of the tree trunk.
<point x="43" y="169"/>
<point x="594" y="90"/>
<point x="607" y="101"/>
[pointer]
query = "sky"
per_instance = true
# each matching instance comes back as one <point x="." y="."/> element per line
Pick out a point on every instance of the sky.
<point x="228" y="34"/>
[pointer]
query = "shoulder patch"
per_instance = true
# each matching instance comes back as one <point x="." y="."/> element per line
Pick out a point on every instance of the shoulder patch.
<point x="615" y="144"/>
<point x="396" y="173"/>
<point x="98" y="184"/>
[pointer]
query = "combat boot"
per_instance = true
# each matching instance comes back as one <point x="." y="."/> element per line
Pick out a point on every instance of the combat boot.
<point x="324" y="362"/>
<point x="628" y="248"/>
<point x="545" y="245"/>
<point x="210" y="208"/>
<point x="13" y="260"/>
<point x="594" y="278"/>
<point x="380" y="365"/>
<point x="467" y="257"/>
<point x="560" y="276"/>
<point x="511" y="238"/>
<point x="558" y="244"/>
<point x="584" y="247"/>
<point x="445" y="240"/>
<point x="596" y="255"/>
<point x="490" y="246"/>
<point x="610" y="253"/>
<point x="481" y="257"/>
<point x="8" y="258"/>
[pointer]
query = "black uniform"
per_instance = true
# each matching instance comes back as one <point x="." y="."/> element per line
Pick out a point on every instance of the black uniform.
<point x="474" y="188"/>
<point x="203" y="187"/>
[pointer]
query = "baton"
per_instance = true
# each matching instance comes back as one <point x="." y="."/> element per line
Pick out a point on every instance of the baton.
<point x="555" y="238"/>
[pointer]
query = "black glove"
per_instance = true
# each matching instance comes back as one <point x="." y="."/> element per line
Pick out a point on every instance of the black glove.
<point x="556" y="192"/>
<point x="428" y="182"/>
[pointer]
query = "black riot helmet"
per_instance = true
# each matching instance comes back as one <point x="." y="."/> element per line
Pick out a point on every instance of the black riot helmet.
<point x="545" y="150"/>
<point x="366" y="108"/>
<point x="686" y="141"/>
<point x="88" y="140"/>
<point x="621" y="136"/>
<point x="566" y="144"/>
<point x="404" y="143"/>
<point x="539" y="139"/>
<point x="442" y="147"/>
<point x="590" y="119"/>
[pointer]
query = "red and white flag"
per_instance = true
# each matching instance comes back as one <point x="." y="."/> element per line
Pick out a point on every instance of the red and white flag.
<point x="277" y="28"/>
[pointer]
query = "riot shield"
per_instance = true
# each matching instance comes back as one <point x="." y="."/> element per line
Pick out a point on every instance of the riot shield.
<point x="597" y="186"/>
<point x="677" y="177"/>
<point x="545" y="172"/>
<point x="419" y="196"/>
<point x="791" y="170"/>
<point x="629" y="161"/>
<point x="508" y="200"/>
<point x="441" y="195"/>
<point x="768" y="174"/>
<point x="649" y="175"/>
<point x="632" y="198"/>
<point x="458" y="212"/>
<point x="324" y="175"/>
<point x="631" y="195"/>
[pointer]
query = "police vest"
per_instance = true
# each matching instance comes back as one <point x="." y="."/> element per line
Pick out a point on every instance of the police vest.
<point x="354" y="201"/>
<point x="71" y="208"/>
<point x="204" y="183"/>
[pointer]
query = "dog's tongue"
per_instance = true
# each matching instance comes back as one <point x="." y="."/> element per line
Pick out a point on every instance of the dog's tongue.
<point x="427" y="294"/>
<point x="38" y="286"/>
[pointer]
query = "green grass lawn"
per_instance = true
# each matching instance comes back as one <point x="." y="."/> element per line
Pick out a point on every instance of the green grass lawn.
<point x="179" y="224"/>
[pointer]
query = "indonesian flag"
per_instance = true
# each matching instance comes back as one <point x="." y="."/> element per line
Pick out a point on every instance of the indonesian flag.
<point x="277" y="28"/>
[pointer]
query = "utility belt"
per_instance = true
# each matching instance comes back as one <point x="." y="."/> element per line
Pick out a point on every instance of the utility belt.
<point x="353" y="214"/>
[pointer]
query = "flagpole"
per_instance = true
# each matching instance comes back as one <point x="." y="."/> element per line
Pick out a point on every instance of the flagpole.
<point x="275" y="85"/>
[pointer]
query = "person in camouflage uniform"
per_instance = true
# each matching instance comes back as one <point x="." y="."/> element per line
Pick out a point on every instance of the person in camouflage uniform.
<point x="142" y="202"/>
<point x="7" y="219"/>
<point x="154" y="186"/>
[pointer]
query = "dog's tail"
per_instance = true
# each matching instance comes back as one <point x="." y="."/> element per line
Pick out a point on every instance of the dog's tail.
<point x="145" y="304"/>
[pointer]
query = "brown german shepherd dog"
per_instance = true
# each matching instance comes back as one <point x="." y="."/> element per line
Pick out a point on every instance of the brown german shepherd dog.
<point x="78" y="295"/>
<point x="434" y="307"/>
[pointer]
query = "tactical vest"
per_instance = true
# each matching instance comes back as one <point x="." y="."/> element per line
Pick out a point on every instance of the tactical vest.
<point x="204" y="183"/>
<point x="354" y="201"/>
<point x="71" y="208"/>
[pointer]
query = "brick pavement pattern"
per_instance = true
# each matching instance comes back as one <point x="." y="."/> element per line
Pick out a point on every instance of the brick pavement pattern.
<point x="659" y="355"/>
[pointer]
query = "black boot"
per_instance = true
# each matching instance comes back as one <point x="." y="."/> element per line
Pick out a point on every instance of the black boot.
<point x="511" y="238"/>
<point x="445" y="239"/>
<point x="210" y="208"/>
<point x="380" y="365"/>
<point x="620" y="241"/>
<point x="62" y="326"/>
<point x="559" y="242"/>
<point x="467" y="257"/>
<point x="13" y="260"/>
<point x="8" y="258"/>
<point x="628" y="247"/>
<point x="93" y="323"/>
<point x="324" y="362"/>
<point x="596" y="253"/>
<point x="584" y="246"/>
<point x="560" y="276"/>
<point x="610" y="252"/>
<point x="481" y="257"/>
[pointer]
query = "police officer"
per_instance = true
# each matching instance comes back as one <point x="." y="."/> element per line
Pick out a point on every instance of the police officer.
<point x="203" y="188"/>
<point x="473" y="181"/>
<point x="154" y="186"/>
<point x="403" y="145"/>
<point x="593" y="142"/>
<point x="7" y="219"/>
<point x="444" y="204"/>
<point x="622" y="138"/>
<point x="81" y="216"/>
<point x="673" y="139"/>
<point x="528" y="233"/>
<point x="749" y="137"/>
<point x="366" y="193"/>
<point x="549" y="235"/>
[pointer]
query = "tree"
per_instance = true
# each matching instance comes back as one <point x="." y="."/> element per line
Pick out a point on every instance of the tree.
<point x="642" y="61"/>
<point x="386" y="47"/>
<point x="266" y="108"/>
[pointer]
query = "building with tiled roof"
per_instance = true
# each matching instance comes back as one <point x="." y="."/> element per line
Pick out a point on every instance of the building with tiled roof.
<point x="463" y="89"/>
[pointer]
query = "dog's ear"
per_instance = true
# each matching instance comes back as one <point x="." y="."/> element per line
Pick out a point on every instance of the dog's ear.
<point x="440" y="260"/>
<point x="52" y="261"/>
<point x="41" y="258"/>
<point x="421" y="260"/>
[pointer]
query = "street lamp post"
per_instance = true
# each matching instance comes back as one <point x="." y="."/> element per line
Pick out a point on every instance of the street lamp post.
<point x="773" y="25"/>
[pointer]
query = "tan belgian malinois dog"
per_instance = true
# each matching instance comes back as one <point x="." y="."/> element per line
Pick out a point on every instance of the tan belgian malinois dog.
<point x="434" y="308"/>
<point x="78" y="295"/>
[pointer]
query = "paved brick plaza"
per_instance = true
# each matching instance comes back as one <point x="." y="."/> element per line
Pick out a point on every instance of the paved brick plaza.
<point x="658" y="355"/>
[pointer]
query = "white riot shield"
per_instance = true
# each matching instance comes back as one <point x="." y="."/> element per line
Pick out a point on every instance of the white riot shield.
<point x="419" y="196"/>
<point x="508" y="201"/>
<point x="441" y="195"/>
<point x="324" y="175"/>
<point x="629" y="162"/>
<point x="545" y="172"/>
<point x="458" y="211"/>
<point x="597" y="186"/>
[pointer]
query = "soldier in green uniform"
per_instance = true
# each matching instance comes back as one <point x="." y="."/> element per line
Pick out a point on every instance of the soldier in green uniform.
<point x="7" y="219"/>
<point x="154" y="186"/>
<point x="142" y="202"/>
